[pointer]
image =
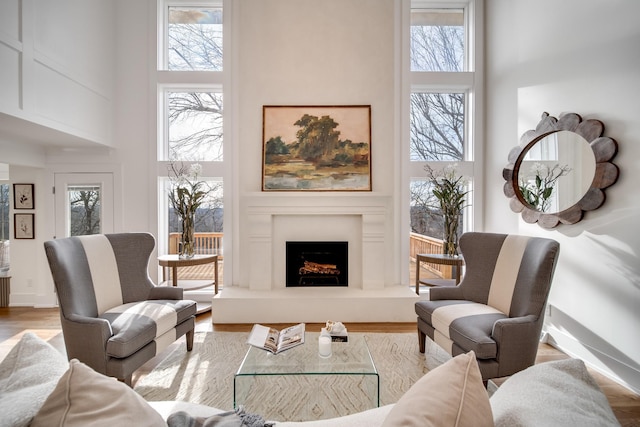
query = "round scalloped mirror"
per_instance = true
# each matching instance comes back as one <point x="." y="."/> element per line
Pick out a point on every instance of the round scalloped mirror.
<point x="560" y="170"/>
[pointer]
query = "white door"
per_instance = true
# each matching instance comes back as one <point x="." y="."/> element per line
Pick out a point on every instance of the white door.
<point x="83" y="203"/>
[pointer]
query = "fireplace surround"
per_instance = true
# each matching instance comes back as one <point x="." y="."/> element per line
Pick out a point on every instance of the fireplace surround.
<point x="259" y="293"/>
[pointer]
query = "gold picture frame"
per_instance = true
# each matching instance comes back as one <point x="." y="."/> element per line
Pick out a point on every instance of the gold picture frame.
<point x="316" y="148"/>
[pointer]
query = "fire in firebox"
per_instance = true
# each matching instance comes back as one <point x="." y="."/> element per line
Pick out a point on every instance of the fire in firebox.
<point x="316" y="263"/>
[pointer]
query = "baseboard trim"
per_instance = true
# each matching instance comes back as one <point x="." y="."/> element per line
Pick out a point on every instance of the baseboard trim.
<point x="620" y="372"/>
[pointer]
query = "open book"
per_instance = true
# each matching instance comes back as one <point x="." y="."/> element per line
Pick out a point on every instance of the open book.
<point x="275" y="341"/>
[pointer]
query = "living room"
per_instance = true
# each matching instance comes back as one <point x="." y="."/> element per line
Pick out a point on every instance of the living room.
<point x="531" y="64"/>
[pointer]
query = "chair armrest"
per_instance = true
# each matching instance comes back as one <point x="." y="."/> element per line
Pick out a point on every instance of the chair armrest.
<point x="445" y="292"/>
<point x="506" y="325"/>
<point x="85" y="339"/>
<point x="513" y="329"/>
<point x="97" y="325"/>
<point x="517" y="339"/>
<point x="165" y="292"/>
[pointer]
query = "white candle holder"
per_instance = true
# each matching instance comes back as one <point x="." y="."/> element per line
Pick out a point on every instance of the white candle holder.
<point x="324" y="344"/>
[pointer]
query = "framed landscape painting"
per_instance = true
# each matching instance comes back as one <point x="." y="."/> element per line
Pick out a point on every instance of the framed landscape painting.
<point x="316" y="148"/>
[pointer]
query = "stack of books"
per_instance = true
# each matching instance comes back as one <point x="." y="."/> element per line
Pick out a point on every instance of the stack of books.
<point x="337" y="331"/>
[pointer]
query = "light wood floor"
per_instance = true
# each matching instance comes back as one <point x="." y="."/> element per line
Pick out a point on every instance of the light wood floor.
<point x="45" y="323"/>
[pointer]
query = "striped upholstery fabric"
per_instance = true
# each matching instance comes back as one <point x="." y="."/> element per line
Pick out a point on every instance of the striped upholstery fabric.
<point x="506" y="284"/>
<point x="114" y="318"/>
<point x="104" y="271"/>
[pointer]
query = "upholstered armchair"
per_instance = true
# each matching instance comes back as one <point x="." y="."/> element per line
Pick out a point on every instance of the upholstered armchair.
<point x="497" y="310"/>
<point x="114" y="319"/>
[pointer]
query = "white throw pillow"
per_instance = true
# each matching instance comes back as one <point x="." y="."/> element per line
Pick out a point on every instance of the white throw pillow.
<point x="84" y="397"/>
<point x="558" y="393"/>
<point x="28" y="374"/>
<point x="450" y="395"/>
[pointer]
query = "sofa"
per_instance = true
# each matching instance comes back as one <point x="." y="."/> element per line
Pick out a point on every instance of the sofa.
<point x="39" y="387"/>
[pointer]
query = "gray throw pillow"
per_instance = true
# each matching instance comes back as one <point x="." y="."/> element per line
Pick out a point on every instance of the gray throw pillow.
<point x="237" y="418"/>
<point x="558" y="393"/>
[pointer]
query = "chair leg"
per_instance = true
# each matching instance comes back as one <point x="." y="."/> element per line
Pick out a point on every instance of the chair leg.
<point x="190" y="340"/>
<point x="422" y="337"/>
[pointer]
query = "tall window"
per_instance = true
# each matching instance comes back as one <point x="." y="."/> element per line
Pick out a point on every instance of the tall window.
<point x="191" y="87"/>
<point x="4" y="227"/>
<point x="4" y="211"/>
<point x="442" y="108"/>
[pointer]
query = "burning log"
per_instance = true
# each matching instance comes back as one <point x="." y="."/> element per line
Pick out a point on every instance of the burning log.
<point x="316" y="268"/>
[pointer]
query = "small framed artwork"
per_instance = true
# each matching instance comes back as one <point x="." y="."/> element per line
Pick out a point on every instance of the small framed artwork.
<point x="316" y="148"/>
<point x="23" y="196"/>
<point x="23" y="227"/>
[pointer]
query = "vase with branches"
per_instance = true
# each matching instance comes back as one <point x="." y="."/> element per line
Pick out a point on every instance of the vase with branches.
<point x="450" y="189"/>
<point x="187" y="193"/>
<point x="538" y="191"/>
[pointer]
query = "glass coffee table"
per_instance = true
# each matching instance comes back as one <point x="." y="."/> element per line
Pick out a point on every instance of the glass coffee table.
<point x="299" y="385"/>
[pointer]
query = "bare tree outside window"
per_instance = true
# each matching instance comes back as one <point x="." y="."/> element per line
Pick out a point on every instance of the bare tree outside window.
<point x="437" y="126"/>
<point x="85" y="210"/>
<point x="195" y="126"/>
<point x="425" y="218"/>
<point x="194" y="39"/>
<point x="437" y="119"/>
<point x="4" y="227"/>
<point x="195" y="118"/>
<point x="437" y="40"/>
<point x="4" y="211"/>
<point x="209" y="216"/>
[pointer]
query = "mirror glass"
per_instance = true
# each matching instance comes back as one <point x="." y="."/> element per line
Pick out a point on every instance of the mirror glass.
<point x="556" y="172"/>
<point x="559" y="170"/>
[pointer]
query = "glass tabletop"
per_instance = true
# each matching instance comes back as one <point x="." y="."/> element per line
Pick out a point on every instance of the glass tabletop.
<point x="317" y="383"/>
<point x="348" y="358"/>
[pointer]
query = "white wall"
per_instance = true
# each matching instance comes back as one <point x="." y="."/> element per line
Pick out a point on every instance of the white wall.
<point x="574" y="56"/>
<point x="80" y="40"/>
<point x="57" y="66"/>
<point x="56" y="88"/>
<point x="29" y="273"/>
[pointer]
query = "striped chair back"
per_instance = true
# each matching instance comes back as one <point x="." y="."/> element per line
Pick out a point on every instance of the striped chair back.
<point x="101" y="271"/>
<point x="510" y="273"/>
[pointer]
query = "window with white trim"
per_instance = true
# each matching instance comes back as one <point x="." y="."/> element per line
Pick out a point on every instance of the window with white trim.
<point x="4" y="225"/>
<point x="443" y="102"/>
<point x="193" y="37"/>
<point x="191" y="87"/>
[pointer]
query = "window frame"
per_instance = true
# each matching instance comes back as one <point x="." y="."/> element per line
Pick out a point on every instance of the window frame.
<point x="166" y="81"/>
<point x="471" y="83"/>
<point x="163" y="117"/>
<point x="163" y="30"/>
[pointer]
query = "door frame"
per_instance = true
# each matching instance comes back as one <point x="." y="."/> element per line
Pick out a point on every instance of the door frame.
<point x="82" y="172"/>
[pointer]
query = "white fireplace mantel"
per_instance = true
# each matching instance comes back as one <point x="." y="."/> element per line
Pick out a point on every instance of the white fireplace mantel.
<point x="268" y="220"/>
<point x="273" y="221"/>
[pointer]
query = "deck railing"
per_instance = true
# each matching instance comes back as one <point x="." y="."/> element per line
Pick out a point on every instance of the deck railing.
<point x="421" y="244"/>
<point x="211" y="243"/>
<point x="204" y="243"/>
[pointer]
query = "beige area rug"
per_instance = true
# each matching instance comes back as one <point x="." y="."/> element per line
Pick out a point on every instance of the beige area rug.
<point x="205" y="376"/>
